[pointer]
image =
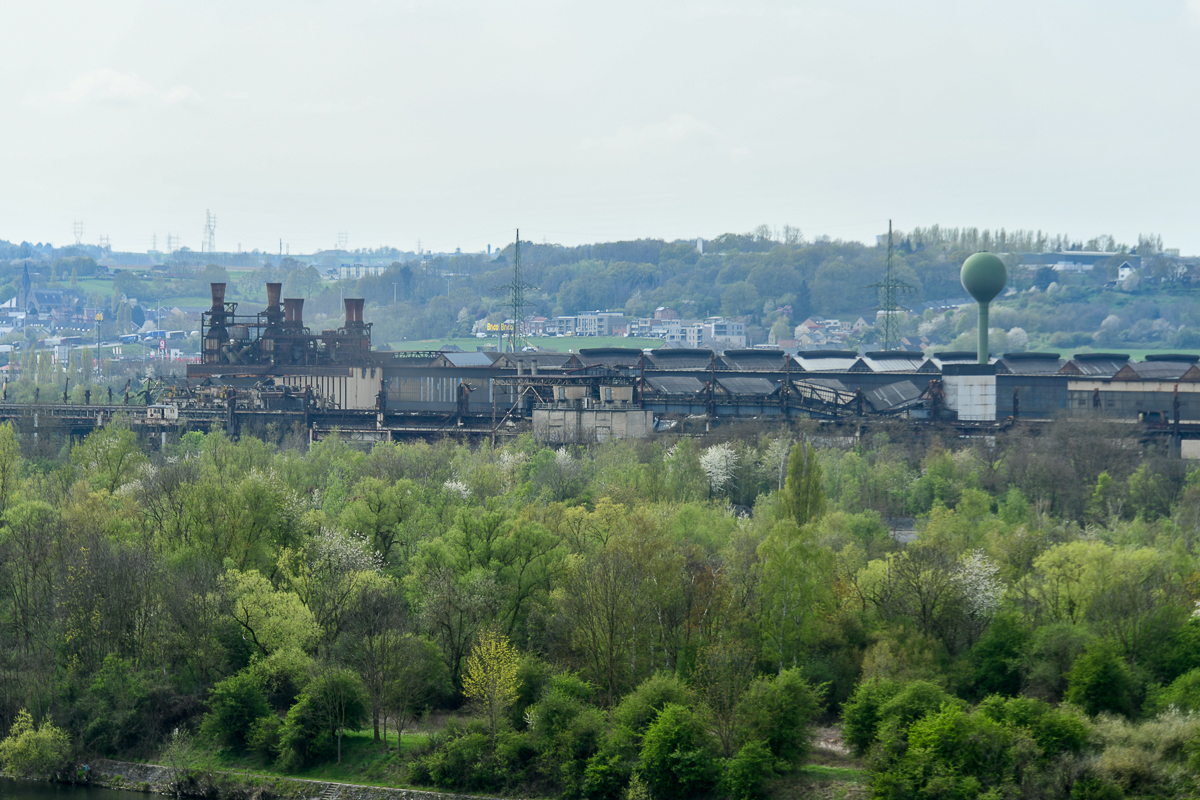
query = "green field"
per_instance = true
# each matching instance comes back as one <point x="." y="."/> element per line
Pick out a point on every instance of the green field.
<point x="565" y="344"/>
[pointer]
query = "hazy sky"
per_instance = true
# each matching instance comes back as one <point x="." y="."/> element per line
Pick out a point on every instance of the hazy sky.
<point x="453" y="123"/>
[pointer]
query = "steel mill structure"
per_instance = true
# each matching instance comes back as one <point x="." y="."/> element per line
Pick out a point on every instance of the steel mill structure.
<point x="267" y="366"/>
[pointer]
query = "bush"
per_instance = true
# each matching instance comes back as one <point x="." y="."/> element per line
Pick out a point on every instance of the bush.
<point x="334" y="701"/>
<point x="465" y="761"/>
<point x="779" y="711"/>
<point x="1054" y="730"/>
<point x="263" y="739"/>
<point x="1099" y="681"/>
<point x="678" y="758"/>
<point x="998" y="657"/>
<point x="641" y="706"/>
<point x="235" y="704"/>
<point x="745" y="773"/>
<point x="860" y="714"/>
<point x="950" y="754"/>
<point x="910" y="704"/>
<point x="34" y="751"/>
<point x="568" y="733"/>
<point x="1183" y="694"/>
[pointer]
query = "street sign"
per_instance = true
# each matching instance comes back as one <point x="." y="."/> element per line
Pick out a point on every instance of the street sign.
<point x="162" y="344"/>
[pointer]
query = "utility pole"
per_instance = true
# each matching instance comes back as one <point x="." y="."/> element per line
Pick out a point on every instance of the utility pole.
<point x="394" y="285"/>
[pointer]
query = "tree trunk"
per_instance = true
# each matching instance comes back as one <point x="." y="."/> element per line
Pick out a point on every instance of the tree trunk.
<point x="339" y="747"/>
<point x="375" y="720"/>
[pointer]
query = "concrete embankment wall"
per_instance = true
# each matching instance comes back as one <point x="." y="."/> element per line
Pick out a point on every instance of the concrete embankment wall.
<point x="237" y="786"/>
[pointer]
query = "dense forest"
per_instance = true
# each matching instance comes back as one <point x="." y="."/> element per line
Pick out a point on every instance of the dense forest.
<point x="660" y="618"/>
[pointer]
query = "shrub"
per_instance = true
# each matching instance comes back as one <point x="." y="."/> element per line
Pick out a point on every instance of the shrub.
<point x="1183" y="693"/>
<point x="235" y="704"/>
<point x="263" y="739"/>
<point x="745" y="773"/>
<point x="641" y="706"/>
<point x="34" y="751"/>
<point x="860" y="714"/>
<point x="951" y="754"/>
<point x="678" y="758"/>
<point x="910" y="704"/>
<point x="1054" y="730"/>
<point x="779" y="711"/>
<point x="1099" y="681"/>
<point x="998" y="657"/>
<point x="568" y="732"/>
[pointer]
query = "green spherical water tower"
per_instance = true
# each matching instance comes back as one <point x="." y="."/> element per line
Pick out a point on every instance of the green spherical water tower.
<point x="983" y="276"/>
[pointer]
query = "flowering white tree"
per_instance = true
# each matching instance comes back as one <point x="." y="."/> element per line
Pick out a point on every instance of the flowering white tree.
<point x="719" y="463"/>
<point x="774" y="461"/>
<point x="455" y="486"/>
<point x="1018" y="339"/>
<point x="978" y="580"/>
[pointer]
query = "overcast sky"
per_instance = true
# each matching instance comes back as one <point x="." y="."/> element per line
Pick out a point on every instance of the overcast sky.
<point x="453" y="123"/>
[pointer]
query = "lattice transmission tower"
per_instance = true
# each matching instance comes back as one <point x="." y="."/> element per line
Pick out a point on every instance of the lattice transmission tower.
<point x="516" y="301"/>
<point x="209" y="243"/>
<point x="890" y="289"/>
<point x="78" y="229"/>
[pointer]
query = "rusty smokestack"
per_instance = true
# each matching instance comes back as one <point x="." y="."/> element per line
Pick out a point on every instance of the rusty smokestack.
<point x="218" y="296"/>
<point x="358" y="304"/>
<point x="274" y="291"/>
<point x="293" y="310"/>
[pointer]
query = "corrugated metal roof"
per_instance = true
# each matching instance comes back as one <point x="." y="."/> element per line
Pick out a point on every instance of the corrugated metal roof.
<point x="891" y="363"/>
<point x="1104" y="367"/>
<point x="674" y="384"/>
<point x="893" y="396"/>
<point x="746" y="385"/>
<point x="1154" y="370"/>
<point x="826" y="363"/>
<point x="468" y="359"/>
<point x="611" y="356"/>
<point x="1030" y="364"/>
<point x="753" y="360"/>
<point x="680" y="359"/>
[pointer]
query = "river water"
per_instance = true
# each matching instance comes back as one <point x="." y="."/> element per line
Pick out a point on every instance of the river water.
<point x="40" y="790"/>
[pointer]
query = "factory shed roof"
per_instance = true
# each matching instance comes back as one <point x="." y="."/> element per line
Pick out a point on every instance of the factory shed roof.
<point x="894" y="396"/>
<point x="944" y="357"/>
<point x="1183" y="371"/>
<point x="1095" y="365"/>
<point x="551" y="361"/>
<point x="611" y="356"/>
<point x="680" y="359"/>
<point x="827" y="360"/>
<point x="755" y="360"/>
<point x="889" y="361"/>
<point x="674" y="384"/>
<point x="463" y="360"/>
<point x="747" y="385"/>
<point x="1030" y="364"/>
